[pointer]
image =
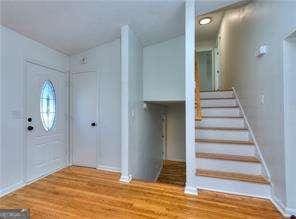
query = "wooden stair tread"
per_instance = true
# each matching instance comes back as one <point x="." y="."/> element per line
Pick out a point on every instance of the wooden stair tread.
<point x="220" y="107"/>
<point x="232" y="176"/>
<point x="218" y="98"/>
<point x="221" y="128"/>
<point x="222" y="117"/>
<point x="228" y="157"/>
<point x="224" y="141"/>
<point x="215" y="91"/>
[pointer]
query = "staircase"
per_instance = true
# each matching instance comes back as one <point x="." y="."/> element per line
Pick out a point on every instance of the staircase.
<point x="226" y="157"/>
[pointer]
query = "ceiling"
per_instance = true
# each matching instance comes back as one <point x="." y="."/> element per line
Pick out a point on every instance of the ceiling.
<point x="206" y="6"/>
<point x="209" y="31"/>
<point x="214" y="9"/>
<point x="74" y="26"/>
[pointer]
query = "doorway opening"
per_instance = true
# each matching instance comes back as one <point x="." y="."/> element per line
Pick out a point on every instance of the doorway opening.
<point x="290" y="116"/>
<point x="205" y="68"/>
<point x="208" y="51"/>
<point x="173" y="126"/>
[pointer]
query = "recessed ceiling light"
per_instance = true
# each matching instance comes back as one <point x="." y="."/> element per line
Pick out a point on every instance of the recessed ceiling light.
<point x="205" y="20"/>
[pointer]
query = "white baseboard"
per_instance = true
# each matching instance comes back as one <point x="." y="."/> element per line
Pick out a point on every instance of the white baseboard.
<point x="189" y="190"/>
<point x="46" y="174"/>
<point x="291" y="211"/>
<point x="11" y="188"/>
<point x="108" y="168"/>
<point x="22" y="183"/>
<point x="280" y="205"/>
<point x="159" y="171"/>
<point x="125" y="179"/>
<point x="266" y="171"/>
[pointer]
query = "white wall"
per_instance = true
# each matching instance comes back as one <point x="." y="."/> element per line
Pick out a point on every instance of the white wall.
<point x="105" y="60"/>
<point x="204" y="45"/>
<point x="242" y="31"/>
<point x="146" y="144"/>
<point x="15" y="49"/>
<point x="164" y="71"/>
<point x="142" y="151"/>
<point x="290" y="118"/>
<point x="175" y="148"/>
<point x="1" y="116"/>
<point x="145" y="126"/>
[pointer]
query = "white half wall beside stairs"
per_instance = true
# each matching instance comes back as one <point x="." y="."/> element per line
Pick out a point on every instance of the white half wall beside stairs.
<point x="226" y="157"/>
<point x="141" y="142"/>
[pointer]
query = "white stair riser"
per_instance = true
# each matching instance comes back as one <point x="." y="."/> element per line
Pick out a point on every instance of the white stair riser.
<point x="221" y="94"/>
<point x="222" y="122"/>
<point x="229" y="166"/>
<point x="218" y="102"/>
<point x="234" y="187"/>
<point x="231" y="149"/>
<point x="221" y="112"/>
<point x="222" y="135"/>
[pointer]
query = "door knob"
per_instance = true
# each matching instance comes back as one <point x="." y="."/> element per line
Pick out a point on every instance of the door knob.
<point x="93" y="124"/>
<point x="30" y="128"/>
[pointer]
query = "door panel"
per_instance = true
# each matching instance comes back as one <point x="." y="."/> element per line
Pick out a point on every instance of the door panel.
<point x="46" y="151"/>
<point x="84" y="119"/>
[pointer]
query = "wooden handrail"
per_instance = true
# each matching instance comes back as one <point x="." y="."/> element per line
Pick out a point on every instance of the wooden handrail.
<point x="198" y="113"/>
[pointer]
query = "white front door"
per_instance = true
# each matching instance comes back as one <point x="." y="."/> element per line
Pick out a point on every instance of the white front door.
<point x="84" y="119"/>
<point x="46" y="126"/>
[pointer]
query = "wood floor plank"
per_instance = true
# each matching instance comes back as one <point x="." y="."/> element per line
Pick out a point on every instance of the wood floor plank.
<point x="77" y="192"/>
<point x="173" y="172"/>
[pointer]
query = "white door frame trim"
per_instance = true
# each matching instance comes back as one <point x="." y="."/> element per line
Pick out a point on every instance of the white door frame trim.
<point x="288" y="118"/>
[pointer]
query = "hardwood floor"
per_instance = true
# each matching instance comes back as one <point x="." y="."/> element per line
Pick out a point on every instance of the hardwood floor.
<point x="78" y="192"/>
<point x="173" y="172"/>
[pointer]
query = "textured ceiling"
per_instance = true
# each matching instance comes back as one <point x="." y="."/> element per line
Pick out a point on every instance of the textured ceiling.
<point x="214" y="9"/>
<point x="209" y="31"/>
<point x="75" y="26"/>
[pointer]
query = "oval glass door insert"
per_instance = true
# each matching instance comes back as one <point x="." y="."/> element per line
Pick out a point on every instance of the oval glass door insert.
<point x="48" y="105"/>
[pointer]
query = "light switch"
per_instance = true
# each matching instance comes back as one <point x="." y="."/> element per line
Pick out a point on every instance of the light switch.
<point x="133" y="113"/>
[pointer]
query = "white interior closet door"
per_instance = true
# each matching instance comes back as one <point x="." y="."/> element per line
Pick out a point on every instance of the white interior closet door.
<point x="84" y="118"/>
<point x="46" y="106"/>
